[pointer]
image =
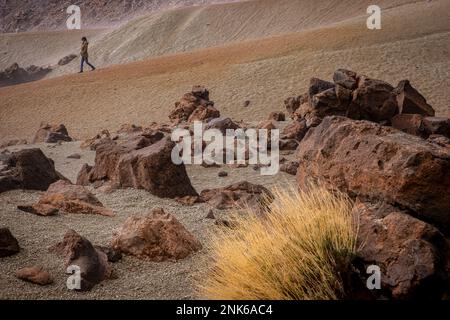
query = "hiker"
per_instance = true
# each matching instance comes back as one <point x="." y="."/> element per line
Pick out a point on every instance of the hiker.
<point x="84" y="54"/>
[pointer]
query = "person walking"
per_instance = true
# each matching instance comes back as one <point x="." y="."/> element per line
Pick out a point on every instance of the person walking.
<point x="84" y="54"/>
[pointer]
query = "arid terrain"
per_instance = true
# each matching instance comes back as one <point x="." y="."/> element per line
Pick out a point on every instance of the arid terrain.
<point x="250" y="55"/>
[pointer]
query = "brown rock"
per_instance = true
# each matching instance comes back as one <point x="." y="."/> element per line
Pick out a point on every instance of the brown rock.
<point x="74" y="156"/>
<point x="8" y="244"/>
<point x="210" y="215"/>
<point x="189" y="200"/>
<point x="437" y="125"/>
<point x="78" y="251"/>
<point x="238" y="195"/>
<point x="93" y="143"/>
<point x="368" y="160"/>
<point x="51" y="134"/>
<point x="290" y="144"/>
<point x="158" y="236"/>
<point x="34" y="275"/>
<point x="28" y="169"/>
<point x="373" y="100"/>
<point x="194" y="106"/>
<point x="290" y="167"/>
<point x="203" y="113"/>
<point x="142" y="165"/>
<point x="277" y="116"/>
<point x="84" y="174"/>
<point x="222" y="124"/>
<point x="409" y="100"/>
<point x="67" y="59"/>
<point x="409" y="251"/>
<point x="292" y="104"/>
<point x="409" y="123"/>
<point x="222" y="174"/>
<point x="346" y="79"/>
<point x="440" y="140"/>
<point x="112" y="254"/>
<point x="295" y="130"/>
<point x="129" y="128"/>
<point x="317" y="86"/>
<point x="66" y="197"/>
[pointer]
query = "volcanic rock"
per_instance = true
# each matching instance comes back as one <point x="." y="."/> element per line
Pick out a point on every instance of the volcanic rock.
<point x="34" y="275"/>
<point x="51" y="134"/>
<point x="157" y="236"/>
<point x="8" y="244"/>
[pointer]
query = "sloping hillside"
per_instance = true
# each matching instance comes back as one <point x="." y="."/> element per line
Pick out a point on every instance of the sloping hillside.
<point x="413" y="44"/>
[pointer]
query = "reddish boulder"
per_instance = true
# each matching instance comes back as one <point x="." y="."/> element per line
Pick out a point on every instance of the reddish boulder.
<point x="410" y="253"/>
<point x="409" y="123"/>
<point x="65" y="197"/>
<point x="94" y="142"/>
<point x="317" y="86"/>
<point x="194" y="106"/>
<point x="139" y="163"/>
<point x="51" y="134"/>
<point x="368" y="160"/>
<point x="346" y="79"/>
<point x="437" y="125"/>
<point x="78" y="251"/>
<point x="158" y="236"/>
<point x="34" y="275"/>
<point x="238" y="195"/>
<point x="8" y="244"/>
<point x="28" y="169"/>
<point x="409" y="100"/>
<point x="290" y="144"/>
<point x="292" y="104"/>
<point x="373" y="100"/>
<point x="295" y="130"/>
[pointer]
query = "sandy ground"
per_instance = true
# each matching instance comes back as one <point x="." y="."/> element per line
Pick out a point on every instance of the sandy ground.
<point x="136" y="279"/>
<point x="413" y="44"/>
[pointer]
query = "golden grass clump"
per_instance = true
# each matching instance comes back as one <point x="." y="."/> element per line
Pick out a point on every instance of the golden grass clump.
<point x="300" y="250"/>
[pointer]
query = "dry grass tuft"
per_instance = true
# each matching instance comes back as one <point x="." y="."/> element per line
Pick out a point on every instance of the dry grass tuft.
<point x="301" y="250"/>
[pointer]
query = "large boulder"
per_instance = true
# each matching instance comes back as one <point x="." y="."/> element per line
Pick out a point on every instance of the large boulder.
<point x="194" y="106"/>
<point x="373" y="100"/>
<point x="65" y="197"/>
<point x="157" y="236"/>
<point x="140" y="163"/>
<point x="8" y="244"/>
<point x="297" y="129"/>
<point x="78" y="251"/>
<point x="28" y="169"/>
<point x="411" y="254"/>
<point x="238" y="195"/>
<point x="51" y="134"/>
<point x="375" y="162"/>
<point x="411" y="101"/>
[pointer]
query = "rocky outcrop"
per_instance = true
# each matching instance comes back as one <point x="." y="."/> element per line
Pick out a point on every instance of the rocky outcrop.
<point x="34" y="275"/>
<point x="14" y="74"/>
<point x="28" y="169"/>
<point x="157" y="236"/>
<point x="78" y="251"/>
<point x="92" y="143"/>
<point x="140" y="163"/>
<point x="67" y="59"/>
<point x="222" y="124"/>
<point x="62" y="196"/>
<point x="194" y="106"/>
<point x="358" y="97"/>
<point x="51" y="134"/>
<point x="238" y="195"/>
<point x="8" y="244"/>
<point x="410" y="253"/>
<point x="296" y="130"/>
<point x="368" y="160"/>
<point x="277" y="116"/>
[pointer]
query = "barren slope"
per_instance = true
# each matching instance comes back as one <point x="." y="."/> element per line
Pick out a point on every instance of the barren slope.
<point x="414" y="43"/>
